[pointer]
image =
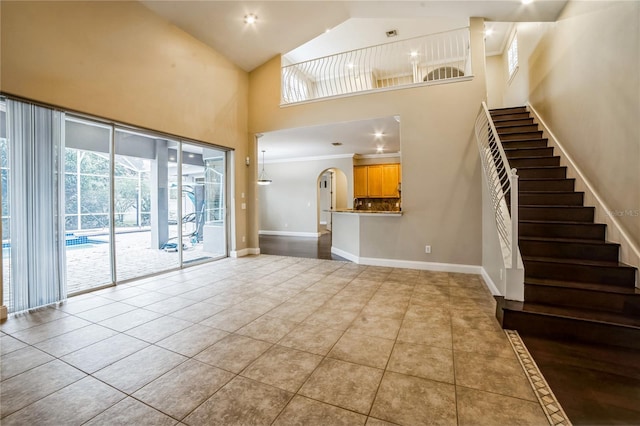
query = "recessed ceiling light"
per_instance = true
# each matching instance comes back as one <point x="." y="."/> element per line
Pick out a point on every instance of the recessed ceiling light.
<point x="250" y="19"/>
<point x="392" y="33"/>
<point x="350" y="65"/>
<point x="378" y="134"/>
<point x="488" y="32"/>
<point x="414" y="54"/>
<point x="380" y="150"/>
<point x="336" y="143"/>
<point x="526" y="1"/>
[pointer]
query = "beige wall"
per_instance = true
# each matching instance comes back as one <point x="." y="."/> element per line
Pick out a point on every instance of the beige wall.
<point x="503" y="91"/>
<point x="496" y="82"/>
<point x="290" y="203"/>
<point x="441" y="172"/>
<point x="585" y="84"/>
<point x="120" y="61"/>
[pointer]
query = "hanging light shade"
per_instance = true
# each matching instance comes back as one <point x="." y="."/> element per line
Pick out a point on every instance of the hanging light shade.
<point x="263" y="179"/>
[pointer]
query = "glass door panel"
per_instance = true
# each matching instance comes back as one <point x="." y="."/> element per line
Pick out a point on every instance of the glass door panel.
<point x="87" y="204"/>
<point x="203" y="201"/>
<point x="145" y="225"/>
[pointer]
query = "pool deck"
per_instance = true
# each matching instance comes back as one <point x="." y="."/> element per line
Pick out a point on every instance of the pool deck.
<point x="88" y="265"/>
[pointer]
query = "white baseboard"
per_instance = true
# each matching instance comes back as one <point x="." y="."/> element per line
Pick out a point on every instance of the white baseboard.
<point x="346" y="255"/>
<point x="244" y="252"/>
<point x="489" y="282"/>
<point x="409" y="264"/>
<point x="291" y="234"/>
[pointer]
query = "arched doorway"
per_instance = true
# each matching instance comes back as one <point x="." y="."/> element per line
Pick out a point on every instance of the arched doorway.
<point x="332" y="194"/>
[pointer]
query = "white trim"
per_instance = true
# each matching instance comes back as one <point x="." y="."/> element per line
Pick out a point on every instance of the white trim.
<point x="629" y="252"/>
<point x="380" y="90"/>
<point x="244" y="252"/>
<point x="387" y="155"/>
<point x="323" y="222"/>
<point x="409" y="264"/>
<point x="489" y="282"/>
<point x="316" y="158"/>
<point x="345" y="254"/>
<point x="291" y="234"/>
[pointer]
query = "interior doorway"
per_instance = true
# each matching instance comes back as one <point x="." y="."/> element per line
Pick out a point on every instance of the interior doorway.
<point x="326" y="201"/>
<point x="332" y="195"/>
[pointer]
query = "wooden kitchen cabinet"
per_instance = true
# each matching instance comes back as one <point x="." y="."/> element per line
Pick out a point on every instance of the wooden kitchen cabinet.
<point x="390" y="180"/>
<point x="360" y="181"/>
<point x="376" y="181"/>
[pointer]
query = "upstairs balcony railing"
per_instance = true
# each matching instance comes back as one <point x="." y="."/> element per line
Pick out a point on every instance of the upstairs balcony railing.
<point x="434" y="58"/>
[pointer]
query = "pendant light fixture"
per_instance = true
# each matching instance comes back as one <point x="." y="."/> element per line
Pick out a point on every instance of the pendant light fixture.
<point x="262" y="179"/>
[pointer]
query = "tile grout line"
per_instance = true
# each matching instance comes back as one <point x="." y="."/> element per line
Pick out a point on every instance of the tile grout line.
<point x="546" y="398"/>
<point x="326" y="356"/>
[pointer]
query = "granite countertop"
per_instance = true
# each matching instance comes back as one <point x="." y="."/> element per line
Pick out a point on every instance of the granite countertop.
<point x="366" y="211"/>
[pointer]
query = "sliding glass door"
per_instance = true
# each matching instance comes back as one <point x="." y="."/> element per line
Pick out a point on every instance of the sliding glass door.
<point x="145" y="231"/>
<point x="87" y="204"/>
<point x="204" y="225"/>
<point x="87" y="181"/>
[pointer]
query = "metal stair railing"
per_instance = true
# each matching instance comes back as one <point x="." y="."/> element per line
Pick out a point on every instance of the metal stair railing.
<point x="502" y="181"/>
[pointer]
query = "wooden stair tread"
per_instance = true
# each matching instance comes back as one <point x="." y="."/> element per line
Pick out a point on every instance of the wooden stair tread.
<point x="524" y="148"/>
<point x="567" y="240"/>
<point x="557" y="222"/>
<point x="586" y="315"/>
<point x="544" y="179"/>
<point x="502" y="121"/>
<point x="534" y="157"/>
<point x="528" y="192"/>
<point x="504" y="109"/>
<point x="630" y="291"/>
<point x="541" y="167"/>
<point x="537" y="206"/>
<point x="584" y="262"/>
<point x="549" y="205"/>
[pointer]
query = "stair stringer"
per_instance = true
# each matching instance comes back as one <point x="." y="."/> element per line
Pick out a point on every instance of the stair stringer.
<point x="629" y="250"/>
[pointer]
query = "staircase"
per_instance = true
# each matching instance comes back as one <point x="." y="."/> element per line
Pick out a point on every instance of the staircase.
<point x="575" y="287"/>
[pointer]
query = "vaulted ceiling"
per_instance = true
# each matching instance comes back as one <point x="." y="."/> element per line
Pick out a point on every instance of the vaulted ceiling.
<point x="285" y="25"/>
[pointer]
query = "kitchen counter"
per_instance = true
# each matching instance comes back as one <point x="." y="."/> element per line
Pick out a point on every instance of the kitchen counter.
<point x="367" y="212"/>
<point x="356" y="235"/>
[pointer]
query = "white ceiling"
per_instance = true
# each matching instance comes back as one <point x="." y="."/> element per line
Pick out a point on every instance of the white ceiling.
<point x="299" y="29"/>
<point x="285" y="25"/>
<point x="357" y="137"/>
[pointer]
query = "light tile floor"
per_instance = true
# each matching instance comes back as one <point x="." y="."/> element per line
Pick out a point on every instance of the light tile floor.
<point x="268" y="340"/>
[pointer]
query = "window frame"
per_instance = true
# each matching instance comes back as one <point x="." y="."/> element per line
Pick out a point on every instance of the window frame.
<point x="512" y="57"/>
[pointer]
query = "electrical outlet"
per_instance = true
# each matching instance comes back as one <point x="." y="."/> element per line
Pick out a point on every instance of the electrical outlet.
<point x="427" y="249"/>
<point x="244" y="239"/>
<point x="368" y="204"/>
<point x="243" y="206"/>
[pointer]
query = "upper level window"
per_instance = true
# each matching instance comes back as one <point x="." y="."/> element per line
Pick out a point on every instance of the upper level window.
<point x="512" y="55"/>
